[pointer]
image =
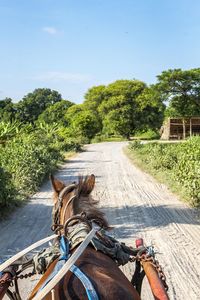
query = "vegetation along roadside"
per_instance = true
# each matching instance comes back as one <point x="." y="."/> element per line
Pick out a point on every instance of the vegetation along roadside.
<point x="27" y="158"/>
<point x="176" y="164"/>
<point x="37" y="131"/>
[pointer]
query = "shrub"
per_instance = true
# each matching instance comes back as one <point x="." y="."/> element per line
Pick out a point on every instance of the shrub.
<point x="180" y="161"/>
<point x="148" y="134"/>
<point x="29" y="160"/>
<point x="7" y="191"/>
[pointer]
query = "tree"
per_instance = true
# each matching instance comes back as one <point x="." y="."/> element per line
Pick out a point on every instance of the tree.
<point x="181" y="89"/>
<point x="119" y="109"/>
<point x="33" y="104"/>
<point x="56" y="112"/>
<point x="7" y="110"/>
<point x="72" y="111"/>
<point x="82" y="122"/>
<point x="94" y="97"/>
<point x="118" y="122"/>
<point x="150" y="109"/>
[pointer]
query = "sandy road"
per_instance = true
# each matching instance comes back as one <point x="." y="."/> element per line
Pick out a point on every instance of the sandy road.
<point x="135" y="204"/>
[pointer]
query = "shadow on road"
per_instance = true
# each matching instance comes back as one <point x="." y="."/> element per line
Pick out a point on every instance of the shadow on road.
<point x="129" y="220"/>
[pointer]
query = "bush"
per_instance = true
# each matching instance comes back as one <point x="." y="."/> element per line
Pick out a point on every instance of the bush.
<point x="7" y="191"/>
<point x="135" y="145"/>
<point x="29" y="159"/>
<point x="180" y="161"/>
<point x="187" y="169"/>
<point x="148" y="134"/>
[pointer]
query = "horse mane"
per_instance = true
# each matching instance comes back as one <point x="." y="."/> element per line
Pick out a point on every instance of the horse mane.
<point x="86" y="203"/>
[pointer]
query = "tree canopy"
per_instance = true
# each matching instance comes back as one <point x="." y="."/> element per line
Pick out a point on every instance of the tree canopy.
<point x="55" y="113"/>
<point x="120" y="108"/>
<point x="181" y="89"/>
<point x="33" y="104"/>
<point x="7" y="110"/>
<point x="94" y="97"/>
<point x="125" y="106"/>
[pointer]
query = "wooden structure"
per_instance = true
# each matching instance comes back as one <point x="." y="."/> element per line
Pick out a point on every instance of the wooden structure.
<point x="180" y="128"/>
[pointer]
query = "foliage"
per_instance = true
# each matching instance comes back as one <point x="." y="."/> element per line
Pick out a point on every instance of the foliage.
<point x="135" y="145"/>
<point x="29" y="159"/>
<point x="94" y="97"/>
<point x="148" y="134"/>
<point x="180" y="161"/>
<point x="119" y="109"/>
<point x="33" y="104"/>
<point x="7" y="110"/>
<point x="55" y="113"/>
<point x="29" y="154"/>
<point x="107" y="138"/>
<point x="72" y="111"/>
<point x="150" y="109"/>
<point x="118" y="121"/>
<point x="7" y="191"/>
<point x="182" y="90"/>
<point x="83" y="124"/>
<point x="8" y="130"/>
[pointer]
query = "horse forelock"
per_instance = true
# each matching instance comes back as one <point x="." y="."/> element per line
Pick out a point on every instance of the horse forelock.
<point x="84" y="202"/>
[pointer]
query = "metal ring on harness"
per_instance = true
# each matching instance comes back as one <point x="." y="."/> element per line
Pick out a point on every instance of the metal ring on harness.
<point x="56" y="228"/>
<point x="81" y="218"/>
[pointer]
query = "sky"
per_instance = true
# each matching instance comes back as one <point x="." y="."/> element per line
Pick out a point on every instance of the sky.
<point x="73" y="45"/>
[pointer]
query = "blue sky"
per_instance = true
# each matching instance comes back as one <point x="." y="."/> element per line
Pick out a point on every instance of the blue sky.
<point x="72" y="45"/>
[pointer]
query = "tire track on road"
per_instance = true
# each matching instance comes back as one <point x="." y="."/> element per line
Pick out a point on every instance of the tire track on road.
<point x="135" y="204"/>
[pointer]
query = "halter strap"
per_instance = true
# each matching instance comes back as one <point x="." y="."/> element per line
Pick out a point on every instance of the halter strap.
<point x="69" y="201"/>
<point x="66" y="189"/>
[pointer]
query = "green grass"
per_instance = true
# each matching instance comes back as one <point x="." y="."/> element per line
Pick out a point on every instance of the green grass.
<point x="102" y="138"/>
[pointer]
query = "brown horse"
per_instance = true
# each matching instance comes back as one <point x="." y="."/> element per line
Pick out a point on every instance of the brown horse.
<point x="108" y="280"/>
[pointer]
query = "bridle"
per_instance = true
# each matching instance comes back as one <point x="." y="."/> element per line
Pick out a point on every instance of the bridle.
<point x="57" y="225"/>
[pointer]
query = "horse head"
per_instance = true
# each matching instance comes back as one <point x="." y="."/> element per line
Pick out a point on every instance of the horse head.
<point x="74" y="201"/>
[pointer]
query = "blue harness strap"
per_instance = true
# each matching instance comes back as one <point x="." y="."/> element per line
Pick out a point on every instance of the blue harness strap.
<point x="91" y="293"/>
<point x="64" y="249"/>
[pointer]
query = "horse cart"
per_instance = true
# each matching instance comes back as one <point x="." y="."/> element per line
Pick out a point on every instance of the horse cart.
<point x="83" y="260"/>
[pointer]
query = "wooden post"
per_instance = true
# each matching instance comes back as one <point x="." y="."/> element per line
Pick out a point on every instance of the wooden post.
<point x="190" y="127"/>
<point x="184" y="129"/>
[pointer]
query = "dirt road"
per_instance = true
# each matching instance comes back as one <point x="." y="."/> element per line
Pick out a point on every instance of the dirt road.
<point x="135" y="204"/>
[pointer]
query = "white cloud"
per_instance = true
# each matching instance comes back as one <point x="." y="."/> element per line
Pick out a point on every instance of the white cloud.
<point x="50" y="30"/>
<point x="63" y="76"/>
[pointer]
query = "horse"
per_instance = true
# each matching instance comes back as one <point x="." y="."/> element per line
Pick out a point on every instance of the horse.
<point x="106" y="277"/>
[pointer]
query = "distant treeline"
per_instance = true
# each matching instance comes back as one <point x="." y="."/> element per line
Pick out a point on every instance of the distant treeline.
<point x="120" y="108"/>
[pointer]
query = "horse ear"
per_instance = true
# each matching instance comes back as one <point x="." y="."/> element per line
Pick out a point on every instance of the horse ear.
<point x="56" y="184"/>
<point x="90" y="183"/>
